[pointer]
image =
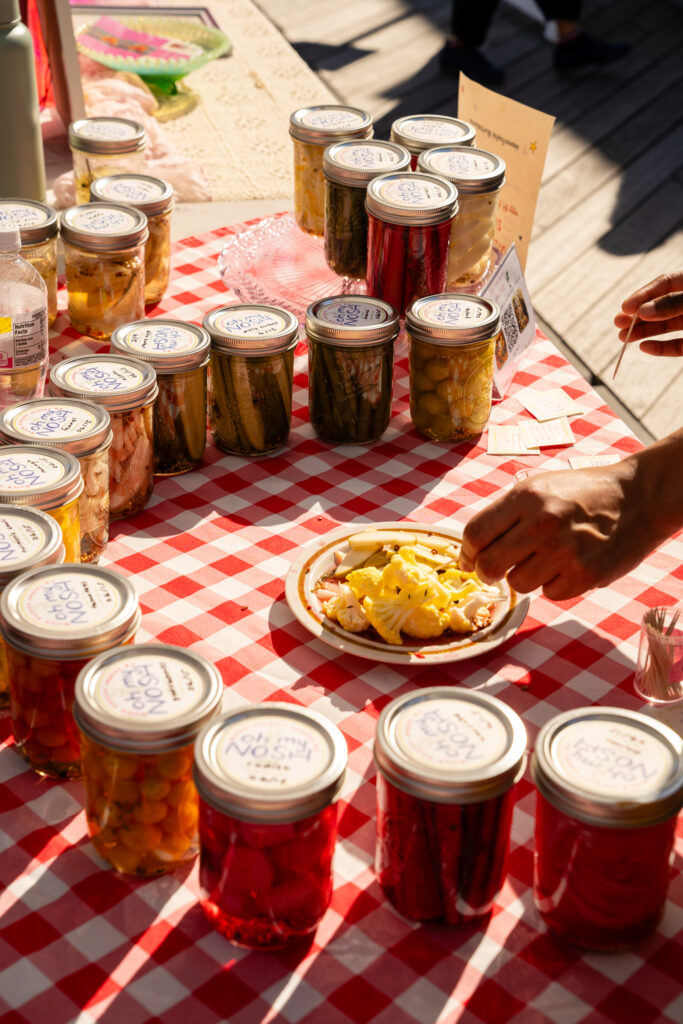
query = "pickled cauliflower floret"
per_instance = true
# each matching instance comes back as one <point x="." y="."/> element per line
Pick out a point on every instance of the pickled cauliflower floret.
<point x="346" y="610"/>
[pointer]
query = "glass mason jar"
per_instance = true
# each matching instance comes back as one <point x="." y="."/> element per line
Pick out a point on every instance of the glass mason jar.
<point x="419" y="132"/>
<point x="452" y="347"/>
<point x="37" y="224"/>
<point x="478" y="176"/>
<point x="154" y="198"/>
<point x="180" y="353"/>
<point x="350" y="367"/>
<point x="104" y="257"/>
<point x="347" y="169"/>
<point x="409" y="226"/>
<point x="252" y="369"/>
<point x="610" y="784"/>
<point x="139" y="711"/>
<point x="268" y="777"/>
<point x="127" y="388"/>
<point x="312" y="129"/>
<point x="54" y="620"/>
<point x="102" y="146"/>
<point x="46" y="479"/>
<point x="447" y="763"/>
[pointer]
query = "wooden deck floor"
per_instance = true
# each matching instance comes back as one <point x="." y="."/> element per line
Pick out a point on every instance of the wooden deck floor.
<point x="610" y="212"/>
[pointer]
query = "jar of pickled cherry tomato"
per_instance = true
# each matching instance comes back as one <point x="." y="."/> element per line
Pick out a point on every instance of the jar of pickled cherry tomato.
<point x="452" y="346"/>
<point x="127" y="388"/>
<point x="447" y="763"/>
<point x="37" y="225"/>
<point x="180" y="354"/>
<point x="54" y="620"/>
<point x="268" y="777"/>
<point x="610" y="784"/>
<point x="409" y="227"/>
<point x="419" y="132"/>
<point x="312" y="129"/>
<point x="139" y="710"/>
<point x="101" y="146"/>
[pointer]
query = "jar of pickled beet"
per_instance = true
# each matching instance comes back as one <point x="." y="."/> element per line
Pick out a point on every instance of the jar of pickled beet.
<point x="409" y="227"/>
<point x="610" y="784"/>
<point x="101" y="146"/>
<point x="54" y="620"/>
<point x="180" y="354"/>
<point x="452" y="345"/>
<point x="268" y="777"/>
<point x="104" y="258"/>
<point x="350" y="367"/>
<point x="252" y="370"/>
<point x="154" y="198"/>
<point x="312" y="129"/>
<point x="84" y="430"/>
<point x="37" y="225"/>
<point x="139" y="710"/>
<point x="447" y="763"/>
<point x="419" y="132"/>
<point x="127" y="389"/>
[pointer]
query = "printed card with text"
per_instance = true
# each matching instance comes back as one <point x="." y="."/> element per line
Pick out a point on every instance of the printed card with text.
<point x="588" y="461"/>
<point x="507" y="440"/>
<point x="548" y="405"/>
<point x="547" y="434"/>
<point x="508" y="289"/>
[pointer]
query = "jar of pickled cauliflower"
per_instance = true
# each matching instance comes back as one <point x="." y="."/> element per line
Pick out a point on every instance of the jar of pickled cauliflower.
<point x="127" y="389"/>
<point x="139" y="710"/>
<point x="46" y="479"/>
<point x="102" y="146"/>
<point x="180" y="354"/>
<point x="419" y="132"/>
<point x="54" y="620"/>
<point x="252" y="369"/>
<point x="447" y="764"/>
<point x="104" y="257"/>
<point x="268" y="776"/>
<point x="452" y="347"/>
<point x="312" y="129"/>
<point x="37" y="225"/>
<point x="154" y="198"/>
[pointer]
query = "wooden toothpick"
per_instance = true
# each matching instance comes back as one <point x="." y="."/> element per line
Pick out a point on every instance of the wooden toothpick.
<point x="626" y="340"/>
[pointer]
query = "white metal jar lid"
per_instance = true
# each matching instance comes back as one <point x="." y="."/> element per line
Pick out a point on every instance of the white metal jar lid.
<point x="106" y="136"/>
<point x="39" y="476"/>
<point x="344" y="320"/>
<point x="118" y="382"/>
<point x="452" y="318"/>
<point x="473" y="171"/>
<point x="36" y="221"/>
<point x="104" y="227"/>
<point x="252" y="329"/>
<point x="151" y="195"/>
<point x="170" y="346"/>
<point x="411" y="198"/>
<point x="28" y="539"/>
<point x="70" y="424"/>
<point x="328" y="123"/>
<point x="418" y="132"/>
<point x="357" y="163"/>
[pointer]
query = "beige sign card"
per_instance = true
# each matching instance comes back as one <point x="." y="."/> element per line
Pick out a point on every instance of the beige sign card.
<point x="587" y="461"/>
<point x="507" y="440"/>
<point x="548" y="405"/>
<point x="546" y="434"/>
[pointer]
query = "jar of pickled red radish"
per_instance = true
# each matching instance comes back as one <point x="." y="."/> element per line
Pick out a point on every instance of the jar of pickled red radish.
<point x="312" y="129"/>
<point x="37" y="224"/>
<point x="46" y="479"/>
<point x="180" y="354"/>
<point x="610" y="784"/>
<point x="447" y="763"/>
<point x="84" y="430"/>
<point x="102" y="146"/>
<point x="139" y="710"/>
<point x="252" y="370"/>
<point x="409" y="227"/>
<point x="268" y="777"/>
<point x="350" y="367"/>
<point x="419" y="132"/>
<point x="452" y="346"/>
<point x="104" y="258"/>
<point x="478" y="176"/>
<point x="127" y="389"/>
<point x="154" y="198"/>
<point x="54" y="620"/>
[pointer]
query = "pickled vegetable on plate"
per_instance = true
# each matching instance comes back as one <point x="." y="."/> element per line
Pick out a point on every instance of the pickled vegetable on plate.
<point x="102" y="146"/>
<point x="420" y="132"/>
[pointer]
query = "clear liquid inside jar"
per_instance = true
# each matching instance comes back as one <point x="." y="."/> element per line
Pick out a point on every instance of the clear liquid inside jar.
<point x="406" y="262"/>
<point x="251" y="401"/>
<point x="346" y="230"/>
<point x="472" y="234"/>
<point x="43" y="256"/>
<point x="349" y="390"/>
<point x="157" y="257"/>
<point x="131" y="461"/>
<point x="68" y="518"/>
<point x="309" y="187"/>
<point x="450" y="388"/>
<point x="104" y="290"/>
<point x="180" y="421"/>
<point x="90" y="166"/>
<point x="93" y="505"/>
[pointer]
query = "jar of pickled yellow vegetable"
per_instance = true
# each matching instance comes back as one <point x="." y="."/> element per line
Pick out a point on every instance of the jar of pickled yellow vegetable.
<point x="127" y="388"/>
<point x="54" y="620"/>
<point x="37" y="225"/>
<point x="101" y="146"/>
<point x="419" y="132"/>
<point x="252" y="369"/>
<point x="139" y="711"/>
<point x="180" y="354"/>
<point x="311" y="130"/>
<point x="451" y="364"/>
<point x="104" y="257"/>
<point x="46" y="479"/>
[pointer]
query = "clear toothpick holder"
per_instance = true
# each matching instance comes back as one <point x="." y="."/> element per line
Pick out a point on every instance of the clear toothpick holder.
<point x="659" y="675"/>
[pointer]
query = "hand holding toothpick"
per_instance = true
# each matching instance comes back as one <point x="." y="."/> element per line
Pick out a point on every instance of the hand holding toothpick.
<point x="656" y="308"/>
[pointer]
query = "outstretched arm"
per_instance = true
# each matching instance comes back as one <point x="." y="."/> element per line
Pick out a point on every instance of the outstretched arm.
<point x="659" y="306"/>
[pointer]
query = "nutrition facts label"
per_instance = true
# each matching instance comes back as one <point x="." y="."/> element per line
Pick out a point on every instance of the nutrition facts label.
<point x="23" y="339"/>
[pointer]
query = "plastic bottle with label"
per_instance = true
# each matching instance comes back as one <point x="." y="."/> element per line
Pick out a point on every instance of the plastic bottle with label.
<point x="23" y="324"/>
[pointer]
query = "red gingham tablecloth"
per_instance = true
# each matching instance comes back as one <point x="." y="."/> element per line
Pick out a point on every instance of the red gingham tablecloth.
<point x="208" y="557"/>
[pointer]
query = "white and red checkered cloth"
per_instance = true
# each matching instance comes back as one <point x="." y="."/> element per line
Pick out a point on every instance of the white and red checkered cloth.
<point x="209" y="556"/>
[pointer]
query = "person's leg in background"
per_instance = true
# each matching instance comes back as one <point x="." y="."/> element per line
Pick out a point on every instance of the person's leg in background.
<point x="574" y="47"/>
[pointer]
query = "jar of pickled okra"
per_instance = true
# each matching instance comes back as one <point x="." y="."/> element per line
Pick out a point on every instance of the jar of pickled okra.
<point x="154" y="198"/>
<point x="452" y="344"/>
<point x="447" y="763"/>
<point x="54" y="620"/>
<point x="102" y="146"/>
<point x="127" y="388"/>
<point x="610" y="784"/>
<point x="268" y="776"/>
<point x="139" y="710"/>
<point x="252" y="369"/>
<point x="311" y="130"/>
<point x="104" y="258"/>
<point x="350" y="367"/>
<point x="409" y="227"/>
<point x="180" y="354"/>
<point x="420" y="132"/>
<point x="84" y="430"/>
<point x="347" y="169"/>
<point x="46" y="479"/>
<point x="37" y="225"/>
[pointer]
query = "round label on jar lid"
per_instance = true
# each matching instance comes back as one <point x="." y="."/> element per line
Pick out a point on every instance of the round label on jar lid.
<point x="23" y="213"/>
<point x="473" y="171"/>
<point x="356" y="312"/>
<point x="412" y="192"/>
<point x="333" y="118"/>
<point x="453" y="318"/>
<point x="105" y="128"/>
<point x="69" y="600"/>
<point x="270" y="752"/>
<point x="148" y="686"/>
<point x="164" y="337"/>
<point x="130" y="188"/>
<point x="101" y="377"/>
<point x="452" y="312"/>
<point x="431" y="129"/>
<point x="449" y="734"/>
<point x="25" y="470"/>
<point x="366" y="155"/>
<point x="350" y="319"/>
<point x="260" y="328"/>
<point x="251" y="323"/>
<point x="103" y="219"/>
<point x="411" y="198"/>
<point x="24" y="535"/>
<point x="53" y="421"/>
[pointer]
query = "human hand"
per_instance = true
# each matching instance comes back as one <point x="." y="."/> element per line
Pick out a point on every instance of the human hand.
<point x="659" y="309"/>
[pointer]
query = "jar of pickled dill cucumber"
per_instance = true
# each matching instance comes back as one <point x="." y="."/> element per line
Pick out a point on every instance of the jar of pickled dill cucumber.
<point x="46" y="479"/>
<point x="37" y="225"/>
<point x="101" y="146"/>
<point x="419" y="132"/>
